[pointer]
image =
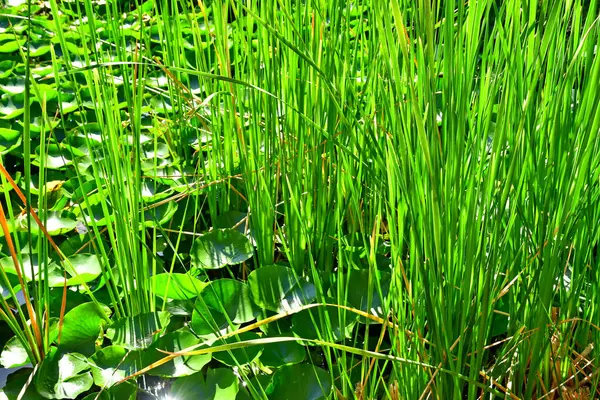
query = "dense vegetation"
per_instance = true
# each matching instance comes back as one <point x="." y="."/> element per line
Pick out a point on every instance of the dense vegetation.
<point x="323" y="199"/>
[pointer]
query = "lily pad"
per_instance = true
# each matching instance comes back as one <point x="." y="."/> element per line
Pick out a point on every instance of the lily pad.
<point x="307" y="324"/>
<point x="137" y="332"/>
<point x="358" y="292"/>
<point x="9" y="46"/>
<point x="180" y="366"/>
<point x="63" y="376"/>
<point x="160" y="215"/>
<point x="300" y="382"/>
<point x="275" y="288"/>
<point x="14" y="354"/>
<point x="112" y="364"/>
<point x="13" y="86"/>
<point x="82" y="326"/>
<point x="6" y="68"/>
<point x="29" y="266"/>
<point x="10" y="138"/>
<point x="219" y="384"/>
<point x="154" y="191"/>
<point x="177" y="286"/>
<point x="219" y="248"/>
<point x="59" y="223"/>
<point x="56" y="156"/>
<point x="124" y="391"/>
<point x="238" y="356"/>
<point x="223" y="301"/>
<point x="11" y="106"/>
<point x="81" y="268"/>
<point x="38" y="48"/>
<point x="279" y="354"/>
<point x="14" y="385"/>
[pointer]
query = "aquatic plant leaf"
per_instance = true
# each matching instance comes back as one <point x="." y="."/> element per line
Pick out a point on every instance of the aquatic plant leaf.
<point x="137" y="332"/>
<point x="300" y="382"/>
<point x="220" y="247"/>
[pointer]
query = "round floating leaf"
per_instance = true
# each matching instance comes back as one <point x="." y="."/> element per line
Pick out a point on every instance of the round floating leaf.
<point x="82" y="326"/>
<point x="14" y="354"/>
<point x="238" y="356"/>
<point x="28" y="263"/>
<point x="9" y="138"/>
<point x="160" y="215"/>
<point x="257" y="385"/>
<point x="154" y="191"/>
<point x="38" y="48"/>
<point x="15" y="382"/>
<point x="219" y="248"/>
<point x="136" y="332"/>
<point x="63" y="376"/>
<point x="124" y="391"/>
<point x="222" y="301"/>
<point x="81" y="268"/>
<point x="59" y="223"/>
<point x="219" y="384"/>
<point x="307" y="324"/>
<point x="358" y="291"/>
<point x="300" y="382"/>
<point x="6" y="68"/>
<point x="180" y="366"/>
<point x="238" y="221"/>
<point x="153" y="149"/>
<point x="177" y="286"/>
<point x="279" y="354"/>
<point x="45" y="93"/>
<point x="160" y="104"/>
<point x="92" y="209"/>
<point x="56" y="156"/>
<point x="11" y="106"/>
<point x="274" y="287"/>
<point x="13" y="86"/>
<point x="302" y="294"/>
<point x="10" y="46"/>
<point x="112" y="364"/>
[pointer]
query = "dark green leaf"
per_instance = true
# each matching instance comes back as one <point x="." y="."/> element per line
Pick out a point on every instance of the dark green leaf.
<point x="180" y="366"/>
<point x="136" y="332"/>
<point x="223" y="301"/>
<point x="300" y="382"/>
<point x="219" y="248"/>
<point x="177" y="286"/>
<point x="219" y="384"/>
<point x="82" y="326"/>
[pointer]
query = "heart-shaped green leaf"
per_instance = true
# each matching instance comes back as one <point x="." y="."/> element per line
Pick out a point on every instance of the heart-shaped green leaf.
<point x="275" y="288"/>
<point x="14" y="354"/>
<point x="136" y="332"/>
<point x="221" y="302"/>
<point x="238" y="356"/>
<point x="219" y="248"/>
<point x="81" y="268"/>
<point x="63" y="376"/>
<point x="300" y="382"/>
<point x="310" y="324"/>
<point x="11" y="106"/>
<point x="180" y="366"/>
<point x="279" y="354"/>
<point x="358" y="291"/>
<point x="219" y="384"/>
<point x="112" y="364"/>
<point x="124" y="391"/>
<point x="160" y="214"/>
<point x="177" y="286"/>
<point x="82" y="326"/>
